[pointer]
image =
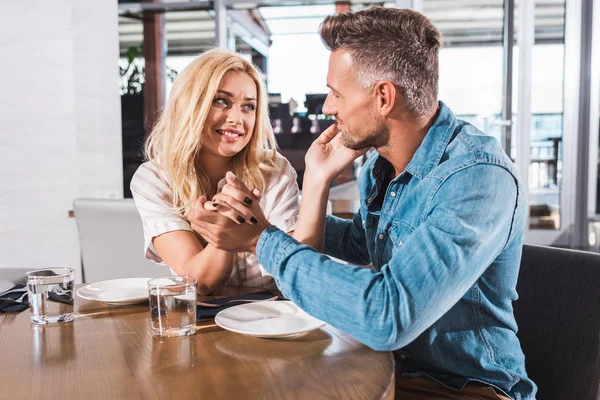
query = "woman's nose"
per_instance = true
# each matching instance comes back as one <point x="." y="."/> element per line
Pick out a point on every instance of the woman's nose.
<point x="234" y="116"/>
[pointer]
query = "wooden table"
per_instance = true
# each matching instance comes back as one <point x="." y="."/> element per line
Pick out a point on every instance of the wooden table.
<point x="108" y="352"/>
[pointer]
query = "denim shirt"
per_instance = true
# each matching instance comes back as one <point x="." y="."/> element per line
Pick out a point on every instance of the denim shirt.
<point x="444" y="238"/>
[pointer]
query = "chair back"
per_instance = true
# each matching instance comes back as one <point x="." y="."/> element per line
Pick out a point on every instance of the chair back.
<point x="10" y="277"/>
<point x="558" y="314"/>
<point x="112" y="241"/>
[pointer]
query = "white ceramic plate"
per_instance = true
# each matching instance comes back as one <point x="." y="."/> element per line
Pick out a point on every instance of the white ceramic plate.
<point x="116" y="291"/>
<point x="267" y="319"/>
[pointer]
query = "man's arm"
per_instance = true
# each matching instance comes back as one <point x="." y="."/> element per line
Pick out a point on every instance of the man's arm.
<point x="334" y="236"/>
<point x="346" y="239"/>
<point x="324" y="160"/>
<point x="462" y="234"/>
<point x="310" y="228"/>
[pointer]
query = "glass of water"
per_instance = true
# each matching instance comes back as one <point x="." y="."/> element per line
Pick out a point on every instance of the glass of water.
<point x="50" y="292"/>
<point x="173" y="305"/>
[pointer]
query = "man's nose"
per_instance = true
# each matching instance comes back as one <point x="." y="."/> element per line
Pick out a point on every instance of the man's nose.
<point x="328" y="107"/>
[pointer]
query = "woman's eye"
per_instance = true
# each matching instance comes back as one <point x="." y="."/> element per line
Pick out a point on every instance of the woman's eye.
<point x="220" y="101"/>
<point x="250" y="107"/>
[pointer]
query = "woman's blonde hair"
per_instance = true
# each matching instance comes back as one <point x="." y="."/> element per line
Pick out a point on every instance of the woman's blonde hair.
<point x="176" y="139"/>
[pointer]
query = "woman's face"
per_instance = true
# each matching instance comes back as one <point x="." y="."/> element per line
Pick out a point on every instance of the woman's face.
<point x="230" y="121"/>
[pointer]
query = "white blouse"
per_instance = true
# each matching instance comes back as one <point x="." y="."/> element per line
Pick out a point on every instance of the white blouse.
<point x="153" y="198"/>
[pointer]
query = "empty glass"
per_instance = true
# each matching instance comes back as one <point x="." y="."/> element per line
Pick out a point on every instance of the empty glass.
<point x="50" y="292"/>
<point x="173" y="305"/>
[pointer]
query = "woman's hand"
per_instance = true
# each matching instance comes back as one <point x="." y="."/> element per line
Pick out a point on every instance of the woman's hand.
<point x="218" y="221"/>
<point x="237" y="202"/>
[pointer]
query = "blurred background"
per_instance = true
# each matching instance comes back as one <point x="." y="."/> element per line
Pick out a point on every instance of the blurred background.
<point x="85" y="81"/>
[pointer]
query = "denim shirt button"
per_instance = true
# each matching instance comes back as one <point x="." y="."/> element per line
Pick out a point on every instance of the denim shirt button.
<point x="400" y="243"/>
<point x="393" y="194"/>
<point x="369" y="200"/>
<point x="381" y="236"/>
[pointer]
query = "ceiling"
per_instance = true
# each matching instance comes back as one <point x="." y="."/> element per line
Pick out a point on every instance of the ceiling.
<point x="461" y="22"/>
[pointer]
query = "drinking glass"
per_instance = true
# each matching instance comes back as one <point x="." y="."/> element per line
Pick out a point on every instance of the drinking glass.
<point x="50" y="292"/>
<point x="173" y="305"/>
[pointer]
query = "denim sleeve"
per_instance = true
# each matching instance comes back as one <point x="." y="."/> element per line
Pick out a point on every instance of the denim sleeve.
<point x="346" y="240"/>
<point x="466" y="224"/>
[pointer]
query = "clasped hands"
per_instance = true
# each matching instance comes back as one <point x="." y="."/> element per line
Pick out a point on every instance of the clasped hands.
<point x="232" y="220"/>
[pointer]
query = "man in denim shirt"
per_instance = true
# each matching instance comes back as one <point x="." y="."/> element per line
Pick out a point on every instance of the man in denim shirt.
<point x="441" y="220"/>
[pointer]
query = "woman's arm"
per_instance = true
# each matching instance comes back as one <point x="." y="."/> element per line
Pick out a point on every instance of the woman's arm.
<point x="169" y="238"/>
<point x="182" y="251"/>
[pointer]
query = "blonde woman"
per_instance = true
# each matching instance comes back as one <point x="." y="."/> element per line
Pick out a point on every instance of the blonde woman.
<point x="216" y="120"/>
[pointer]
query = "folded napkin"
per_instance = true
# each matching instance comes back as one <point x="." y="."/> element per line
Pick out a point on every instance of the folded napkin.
<point x="14" y="299"/>
<point x="210" y="308"/>
<point x="60" y="295"/>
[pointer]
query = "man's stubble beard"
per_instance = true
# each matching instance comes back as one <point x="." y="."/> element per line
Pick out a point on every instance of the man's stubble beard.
<point x="375" y="138"/>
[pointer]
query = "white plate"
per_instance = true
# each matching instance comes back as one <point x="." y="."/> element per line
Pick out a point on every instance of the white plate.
<point x="267" y="319"/>
<point x="116" y="291"/>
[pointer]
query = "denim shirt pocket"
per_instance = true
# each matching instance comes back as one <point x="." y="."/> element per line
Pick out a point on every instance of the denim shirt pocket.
<point x="398" y="232"/>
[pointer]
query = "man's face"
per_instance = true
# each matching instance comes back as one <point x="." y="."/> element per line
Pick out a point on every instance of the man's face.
<point x="354" y="108"/>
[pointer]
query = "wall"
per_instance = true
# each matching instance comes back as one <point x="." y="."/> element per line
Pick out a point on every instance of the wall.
<point x="60" y="131"/>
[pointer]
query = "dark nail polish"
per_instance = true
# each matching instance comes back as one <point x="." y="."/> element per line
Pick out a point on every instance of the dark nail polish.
<point x="253" y="220"/>
<point x="248" y="200"/>
<point x="241" y="219"/>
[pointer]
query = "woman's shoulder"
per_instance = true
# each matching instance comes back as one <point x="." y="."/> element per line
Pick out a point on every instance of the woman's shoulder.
<point x="284" y="176"/>
<point x="149" y="178"/>
<point x="282" y="162"/>
<point x="284" y="168"/>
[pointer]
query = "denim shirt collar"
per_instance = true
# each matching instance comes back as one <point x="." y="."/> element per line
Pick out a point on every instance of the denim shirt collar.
<point x="430" y="152"/>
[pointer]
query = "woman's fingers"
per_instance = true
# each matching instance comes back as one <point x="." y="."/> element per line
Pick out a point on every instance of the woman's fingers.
<point x="242" y="196"/>
<point x="210" y="206"/>
<point x="234" y="181"/>
<point x="235" y="210"/>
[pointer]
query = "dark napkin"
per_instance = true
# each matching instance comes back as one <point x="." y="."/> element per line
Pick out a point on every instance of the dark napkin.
<point x="14" y="299"/>
<point x="60" y="295"/>
<point x="205" y="312"/>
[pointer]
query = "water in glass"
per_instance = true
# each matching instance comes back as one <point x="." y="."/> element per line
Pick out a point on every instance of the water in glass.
<point x="50" y="294"/>
<point x="173" y="309"/>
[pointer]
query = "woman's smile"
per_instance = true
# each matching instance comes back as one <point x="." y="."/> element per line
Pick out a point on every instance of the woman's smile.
<point x="229" y="135"/>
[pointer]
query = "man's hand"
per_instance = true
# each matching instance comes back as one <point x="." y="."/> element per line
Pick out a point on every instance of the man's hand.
<point x="225" y="229"/>
<point x="327" y="156"/>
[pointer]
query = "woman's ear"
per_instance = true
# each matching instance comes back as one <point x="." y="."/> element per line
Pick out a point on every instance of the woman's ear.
<point x="386" y="97"/>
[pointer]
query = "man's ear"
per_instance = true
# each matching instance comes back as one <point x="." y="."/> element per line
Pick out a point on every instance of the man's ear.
<point x="386" y="97"/>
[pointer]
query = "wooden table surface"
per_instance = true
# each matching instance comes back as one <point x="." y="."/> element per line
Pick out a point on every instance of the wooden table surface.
<point x="108" y="352"/>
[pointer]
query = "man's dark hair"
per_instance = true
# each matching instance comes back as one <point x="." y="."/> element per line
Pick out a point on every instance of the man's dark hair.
<point x="396" y="45"/>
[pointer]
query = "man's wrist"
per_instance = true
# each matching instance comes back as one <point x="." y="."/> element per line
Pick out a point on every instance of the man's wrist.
<point x="315" y="181"/>
<point x="261" y="228"/>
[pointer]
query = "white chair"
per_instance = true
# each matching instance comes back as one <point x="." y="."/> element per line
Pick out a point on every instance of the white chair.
<point x="10" y="277"/>
<point x="112" y="241"/>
